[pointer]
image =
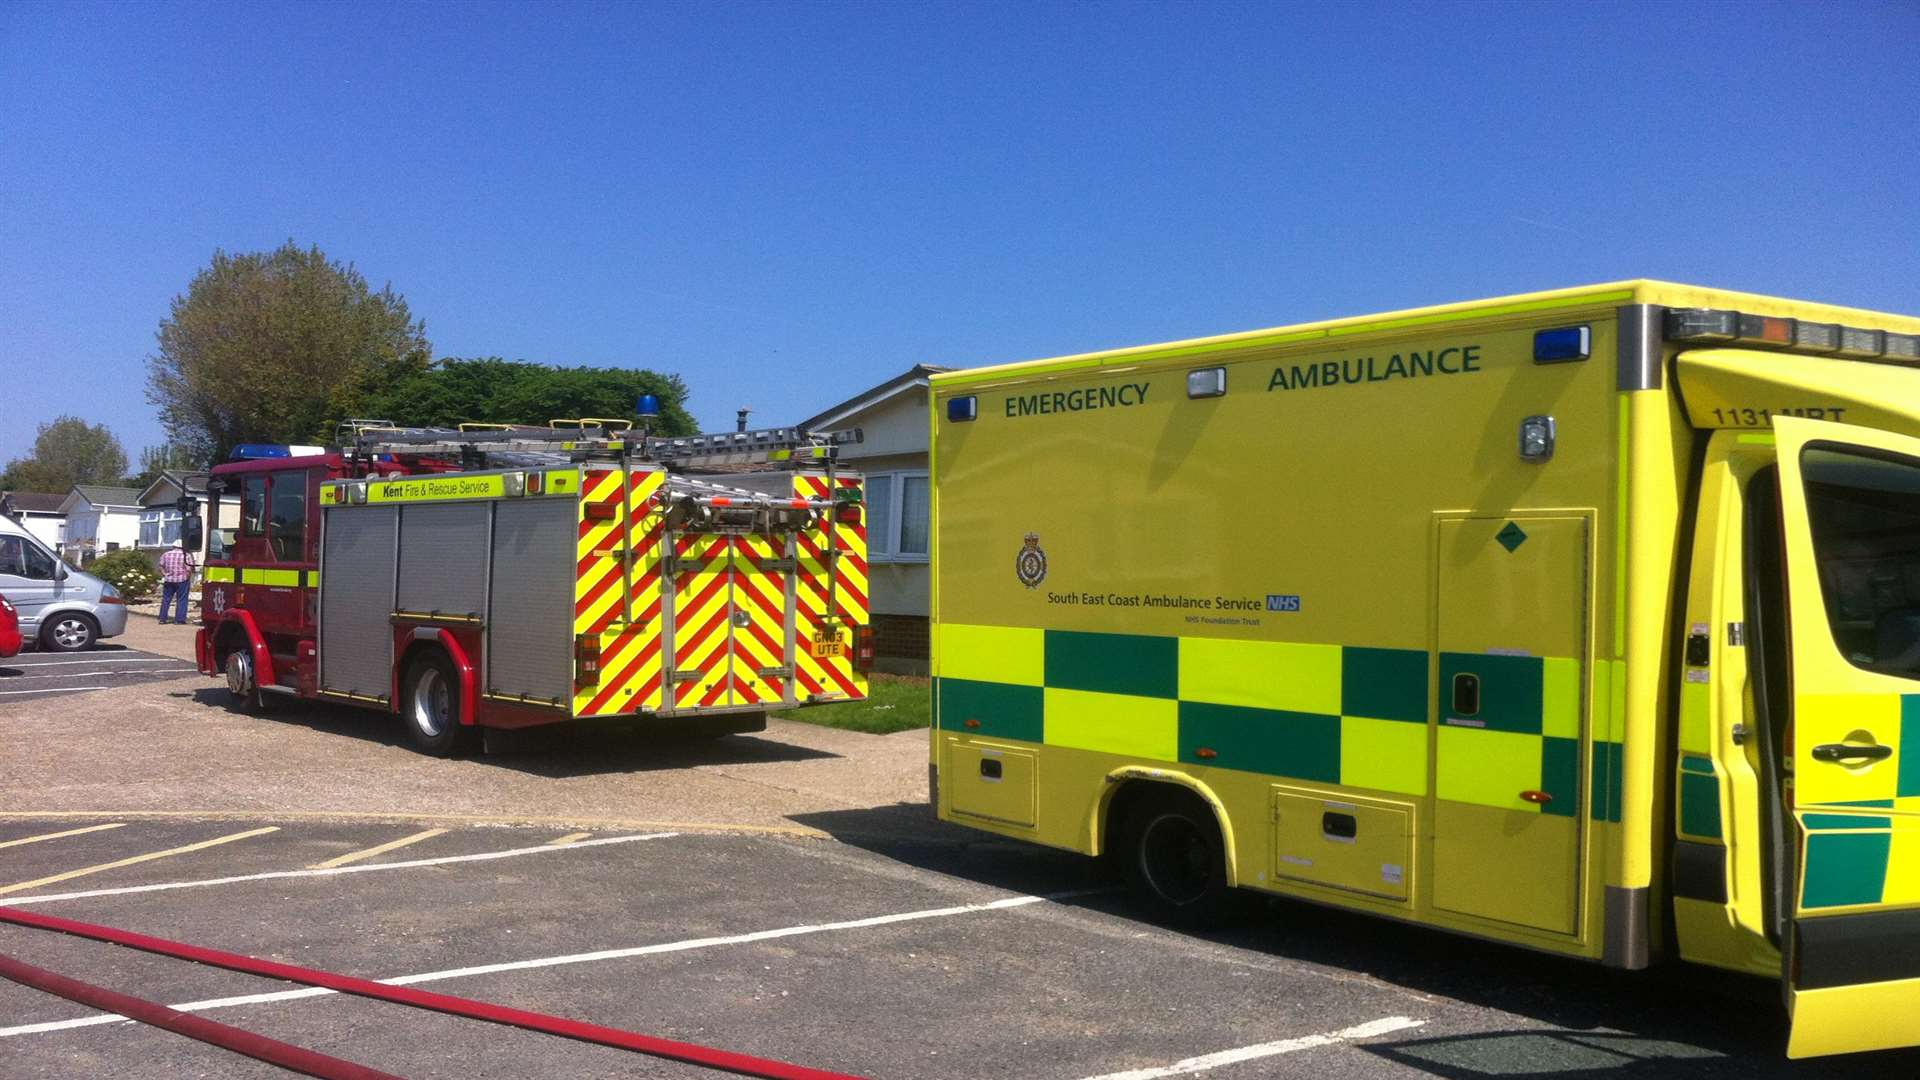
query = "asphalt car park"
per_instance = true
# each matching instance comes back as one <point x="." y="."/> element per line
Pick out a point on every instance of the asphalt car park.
<point x="786" y="894"/>
<point x="37" y="673"/>
<point x="899" y="952"/>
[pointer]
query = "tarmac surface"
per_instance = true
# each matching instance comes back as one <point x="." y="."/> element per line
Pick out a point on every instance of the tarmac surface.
<point x="787" y="894"/>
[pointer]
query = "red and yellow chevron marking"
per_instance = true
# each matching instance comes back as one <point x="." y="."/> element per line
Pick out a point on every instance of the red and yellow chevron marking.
<point x="847" y="598"/>
<point x="630" y="661"/>
<point x="700" y="629"/>
<point x="762" y="594"/>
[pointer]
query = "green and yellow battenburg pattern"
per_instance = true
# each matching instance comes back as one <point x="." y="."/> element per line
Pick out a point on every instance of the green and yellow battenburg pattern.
<point x="1356" y="716"/>
<point x="1853" y="856"/>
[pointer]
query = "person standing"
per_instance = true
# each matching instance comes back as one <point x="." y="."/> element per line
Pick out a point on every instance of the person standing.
<point x="176" y="578"/>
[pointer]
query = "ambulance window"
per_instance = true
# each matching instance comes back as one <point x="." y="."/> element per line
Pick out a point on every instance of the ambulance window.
<point x="287" y="529"/>
<point x="1864" y="511"/>
<point x="253" y="504"/>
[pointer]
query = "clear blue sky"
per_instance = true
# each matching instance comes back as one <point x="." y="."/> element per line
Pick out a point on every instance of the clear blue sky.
<point x="787" y="203"/>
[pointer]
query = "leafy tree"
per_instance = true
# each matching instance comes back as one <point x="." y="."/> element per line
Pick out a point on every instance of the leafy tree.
<point x="66" y="452"/>
<point x="498" y="391"/>
<point x="155" y="460"/>
<point x="276" y="346"/>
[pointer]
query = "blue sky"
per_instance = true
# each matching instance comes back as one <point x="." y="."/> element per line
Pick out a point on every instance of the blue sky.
<point x="785" y="203"/>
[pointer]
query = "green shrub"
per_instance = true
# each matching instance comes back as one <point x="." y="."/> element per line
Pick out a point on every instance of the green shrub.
<point x="132" y="572"/>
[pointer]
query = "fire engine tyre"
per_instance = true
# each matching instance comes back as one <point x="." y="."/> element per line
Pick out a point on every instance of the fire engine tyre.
<point x="430" y="708"/>
<point x="1175" y="862"/>
<point x="241" y="684"/>
<point x="69" y="631"/>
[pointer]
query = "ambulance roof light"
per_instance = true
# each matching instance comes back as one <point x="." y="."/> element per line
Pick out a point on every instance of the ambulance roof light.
<point x="648" y="407"/>
<point x="1705" y="326"/>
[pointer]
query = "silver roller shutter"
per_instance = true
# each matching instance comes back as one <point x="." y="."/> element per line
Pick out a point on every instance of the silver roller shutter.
<point x="443" y="558"/>
<point x="530" y="620"/>
<point x="356" y="598"/>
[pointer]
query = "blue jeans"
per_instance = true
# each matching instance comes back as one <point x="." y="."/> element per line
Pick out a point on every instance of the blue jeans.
<point x="174" y="594"/>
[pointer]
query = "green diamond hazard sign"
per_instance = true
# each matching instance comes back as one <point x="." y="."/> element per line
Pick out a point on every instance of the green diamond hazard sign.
<point x="1511" y="537"/>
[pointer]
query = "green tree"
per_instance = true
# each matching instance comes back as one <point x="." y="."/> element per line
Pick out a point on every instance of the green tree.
<point x="276" y="346"/>
<point x="66" y="452"/>
<point x="493" y="390"/>
<point x="170" y="457"/>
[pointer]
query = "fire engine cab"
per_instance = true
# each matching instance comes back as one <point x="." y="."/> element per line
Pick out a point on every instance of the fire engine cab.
<point x="494" y="576"/>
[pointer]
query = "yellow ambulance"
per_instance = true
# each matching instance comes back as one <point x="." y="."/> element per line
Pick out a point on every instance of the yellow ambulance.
<point x="1585" y="620"/>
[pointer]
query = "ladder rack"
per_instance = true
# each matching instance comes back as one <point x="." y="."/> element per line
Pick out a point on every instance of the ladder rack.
<point x="479" y="446"/>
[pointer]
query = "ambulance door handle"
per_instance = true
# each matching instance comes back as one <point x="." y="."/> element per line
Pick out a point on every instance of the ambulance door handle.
<point x="1848" y="754"/>
<point x="1466" y="694"/>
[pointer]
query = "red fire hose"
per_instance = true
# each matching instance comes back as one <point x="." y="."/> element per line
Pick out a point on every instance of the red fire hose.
<point x="692" y="1053"/>
<point x="273" y="1051"/>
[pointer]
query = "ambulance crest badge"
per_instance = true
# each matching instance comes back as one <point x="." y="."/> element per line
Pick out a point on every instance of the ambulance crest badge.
<point x="1030" y="566"/>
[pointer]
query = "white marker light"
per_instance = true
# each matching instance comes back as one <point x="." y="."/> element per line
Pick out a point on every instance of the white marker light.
<point x="1207" y="382"/>
<point x="1536" y="438"/>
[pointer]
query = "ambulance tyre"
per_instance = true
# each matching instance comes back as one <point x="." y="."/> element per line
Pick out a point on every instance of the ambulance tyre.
<point x="430" y="708"/>
<point x="1174" y="861"/>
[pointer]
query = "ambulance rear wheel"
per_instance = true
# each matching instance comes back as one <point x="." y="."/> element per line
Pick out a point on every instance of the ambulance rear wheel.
<point x="430" y="709"/>
<point x="1175" y="862"/>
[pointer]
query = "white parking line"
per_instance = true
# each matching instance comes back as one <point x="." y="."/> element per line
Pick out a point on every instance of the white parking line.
<point x="366" y="868"/>
<point x="51" y="690"/>
<point x="19" y="662"/>
<point x="575" y="958"/>
<point x="1371" y="1029"/>
<point x="97" y="674"/>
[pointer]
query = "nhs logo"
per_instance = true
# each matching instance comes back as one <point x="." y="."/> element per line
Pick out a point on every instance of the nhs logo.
<point x="1277" y="602"/>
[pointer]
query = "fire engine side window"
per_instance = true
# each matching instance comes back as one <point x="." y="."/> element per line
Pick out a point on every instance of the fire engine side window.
<point x="253" y="504"/>
<point x="287" y="526"/>
<point x="1864" y="511"/>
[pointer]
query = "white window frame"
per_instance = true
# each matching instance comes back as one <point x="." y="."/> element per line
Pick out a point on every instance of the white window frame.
<point x="883" y="537"/>
<point x="159" y="517"/>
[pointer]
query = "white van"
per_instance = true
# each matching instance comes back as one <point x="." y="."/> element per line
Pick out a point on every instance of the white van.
<point x="61" y="608"/>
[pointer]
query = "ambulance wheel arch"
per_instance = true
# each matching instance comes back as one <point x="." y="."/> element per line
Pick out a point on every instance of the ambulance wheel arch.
<point x="1134" y="798"/>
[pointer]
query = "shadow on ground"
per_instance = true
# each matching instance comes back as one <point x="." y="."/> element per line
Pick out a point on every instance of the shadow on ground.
<point x="571" y="748"/>
<point x="1594" y="1023"/>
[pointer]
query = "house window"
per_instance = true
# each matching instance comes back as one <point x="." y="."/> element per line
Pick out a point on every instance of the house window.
<point x="159" y="527"/>
<point x="897" y="518"/>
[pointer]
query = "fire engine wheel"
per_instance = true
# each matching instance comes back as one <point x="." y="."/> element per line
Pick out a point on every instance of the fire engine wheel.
<point x="241" y="683"/>
<point x="431" y="709"/>
<point x="1175" y="862"/>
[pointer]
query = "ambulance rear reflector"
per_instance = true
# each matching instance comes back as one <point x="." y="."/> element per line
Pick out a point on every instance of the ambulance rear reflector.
<point x="1703" y="326"/>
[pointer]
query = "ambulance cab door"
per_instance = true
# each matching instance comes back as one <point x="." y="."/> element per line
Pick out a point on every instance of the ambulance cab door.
<point x="1850" y="511"/>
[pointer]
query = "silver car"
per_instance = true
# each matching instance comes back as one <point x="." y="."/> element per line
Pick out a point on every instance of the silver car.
<point x="62" y="608"/>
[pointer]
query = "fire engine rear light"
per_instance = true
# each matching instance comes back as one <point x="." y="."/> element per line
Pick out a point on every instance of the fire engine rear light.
<point x="1816" y="337"/>
<point x="536" y="482"/>
<point x="1207" y="382"/>
<point x="962" y="409"/>
<point x="601" y="511"/>
<point x="1764" y="330"/>
<point x="863" y="648"/>
<point x="1856" y="342"/>
<point x="847" y="513"/>
<point x="357" y="493"/>
<point x="586" y="658"/>
<point x="1702" y="324"/>
<point x="1566" y="343"/>
<point x="515" y="483"/>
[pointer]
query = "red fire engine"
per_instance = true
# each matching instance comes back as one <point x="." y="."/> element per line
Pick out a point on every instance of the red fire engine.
<point x="492" y="576"/>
